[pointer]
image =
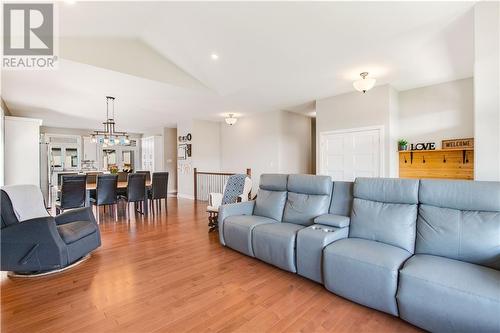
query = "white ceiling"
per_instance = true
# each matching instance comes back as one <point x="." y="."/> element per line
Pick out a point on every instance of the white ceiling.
<point x="272" y="55"/>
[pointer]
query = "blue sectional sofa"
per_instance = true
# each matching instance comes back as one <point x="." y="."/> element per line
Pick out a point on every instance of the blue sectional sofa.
<point x="427" y="251"/>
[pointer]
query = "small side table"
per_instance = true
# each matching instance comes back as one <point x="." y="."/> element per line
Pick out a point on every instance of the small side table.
<point x="310" y="244"/>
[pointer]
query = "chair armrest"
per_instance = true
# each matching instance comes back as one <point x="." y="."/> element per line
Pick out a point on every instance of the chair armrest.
<point x="32" y="245"/>
<point x="78" y="214"/>
<point x="215" y="199"/>
<point x="333" y="220"/>
<point x="240" y="208"/>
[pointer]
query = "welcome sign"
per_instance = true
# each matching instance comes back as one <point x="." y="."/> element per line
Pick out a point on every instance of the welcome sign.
<point x="458" y="143"/>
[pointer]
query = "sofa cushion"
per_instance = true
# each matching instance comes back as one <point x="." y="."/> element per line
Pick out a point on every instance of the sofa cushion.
<point x="393" y="224"/>
<point x="275" y="244"/>
<point x="364" y="271"/>
<point x="74" y="231"/>
<point x="342" y="196"/>
<point x="337" y="221"/>
<point x="460" y="220"/>
<point x="388" y="190"/>
<point x="273" y="182"/>
<point x="303" y="208"/>
<point x="460" y="194"/>
<point x="238" y="231"/>
<point x="446" y="295"/>
<point x="308" y="197"/>
<point x="310" y="184"/>
<point x="471" y="236"/>
<point x="270" y="204"/>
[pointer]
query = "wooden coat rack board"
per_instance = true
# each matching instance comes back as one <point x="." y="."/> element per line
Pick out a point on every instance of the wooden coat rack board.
<point x="439" y="163"/>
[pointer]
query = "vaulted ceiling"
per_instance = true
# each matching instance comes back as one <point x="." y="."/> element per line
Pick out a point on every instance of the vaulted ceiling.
<point x="155" y="57"/>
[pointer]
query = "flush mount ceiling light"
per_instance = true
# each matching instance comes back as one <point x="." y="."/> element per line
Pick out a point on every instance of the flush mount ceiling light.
<point x="364" y="84"/>
<point x="214" y="56"/>
<point x="230" y="120"/>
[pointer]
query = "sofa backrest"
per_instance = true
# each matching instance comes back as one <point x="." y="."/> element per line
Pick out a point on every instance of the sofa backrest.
<point x="271" y="196"/>
<point x="341" y="203"/>
<point x="385" y="210"/>
<point x="460" y="219"/>
<point x="308" y="197"/>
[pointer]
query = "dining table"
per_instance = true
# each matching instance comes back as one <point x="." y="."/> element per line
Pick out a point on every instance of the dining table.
<point x="121" y="186"/>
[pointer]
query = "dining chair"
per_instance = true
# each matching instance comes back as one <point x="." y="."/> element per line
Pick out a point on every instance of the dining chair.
<point x="106" y="194"/>
<point x="92" y="180"/>
<point x="147" y="173"/>
<point x="73" y="192"/>
<point x="136" y="191"/>
<point x="122" y="178"/>
<point x="159" y="189"/>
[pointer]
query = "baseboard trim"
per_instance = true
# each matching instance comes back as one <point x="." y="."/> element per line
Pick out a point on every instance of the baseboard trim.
<point x="185" y="196"/>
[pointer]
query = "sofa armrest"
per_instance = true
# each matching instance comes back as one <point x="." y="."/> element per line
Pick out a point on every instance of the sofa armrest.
<point x="32" y="245"/>
<point x="240" y="208"/>
<point x="78" y="214"/>
<point x="333" y="220"/>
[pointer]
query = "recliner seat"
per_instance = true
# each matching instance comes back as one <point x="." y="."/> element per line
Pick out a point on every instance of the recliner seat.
<point x="236" y="227"/>
<point x="364" y="267"/>
<point x="308" y="197"/>
<point x="45" y="243"/>
<point x="452" y="284"/>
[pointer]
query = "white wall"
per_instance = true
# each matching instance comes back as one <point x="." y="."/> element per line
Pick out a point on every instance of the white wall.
<point x="487" y="90"/>
<point x="437" y="112"/>
<point x="206" y="145"/>
<point x="354" y="110"/>
<point x="393" y="133"/>
<point x="205" y="153"/>
<point x="185" y="167"/>
<point x="295" y="152"/>
<point x="267" y="142"/>
<point x="170" y="155"/>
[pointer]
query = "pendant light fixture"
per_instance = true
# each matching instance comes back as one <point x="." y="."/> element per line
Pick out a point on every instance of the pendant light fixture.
<point x="230" y="120"/>
<point x="110" y="137"/>
<point x="364" y="84"/>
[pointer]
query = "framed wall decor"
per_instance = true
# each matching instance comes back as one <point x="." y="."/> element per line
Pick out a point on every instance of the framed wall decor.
<point x="183" y="151"/>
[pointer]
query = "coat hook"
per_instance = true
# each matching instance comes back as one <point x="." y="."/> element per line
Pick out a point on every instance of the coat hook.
<point x="423" y="159"/>
<point x="444" y="158"/>
<point x="406" y="160"/>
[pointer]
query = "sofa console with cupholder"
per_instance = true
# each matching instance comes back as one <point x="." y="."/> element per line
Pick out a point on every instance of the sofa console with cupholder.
<point x="427" y="251"/>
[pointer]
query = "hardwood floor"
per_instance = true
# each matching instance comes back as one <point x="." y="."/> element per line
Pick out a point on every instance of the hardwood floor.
<point x="165" y="273"/>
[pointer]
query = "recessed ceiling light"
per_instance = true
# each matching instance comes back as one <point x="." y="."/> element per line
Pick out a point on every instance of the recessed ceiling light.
<point x="214" y="56"/>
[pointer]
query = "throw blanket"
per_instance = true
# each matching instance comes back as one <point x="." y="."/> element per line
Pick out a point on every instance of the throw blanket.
<point x="234" y="188"/>
<point x="27" y="201"/>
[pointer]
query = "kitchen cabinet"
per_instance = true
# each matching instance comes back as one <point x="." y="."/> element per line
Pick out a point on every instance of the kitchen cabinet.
<point x="152" y="153"/>
<point x="89" y="149"/>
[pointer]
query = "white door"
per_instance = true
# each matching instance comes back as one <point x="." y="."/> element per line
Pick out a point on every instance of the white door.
<point x="345" y="155"/>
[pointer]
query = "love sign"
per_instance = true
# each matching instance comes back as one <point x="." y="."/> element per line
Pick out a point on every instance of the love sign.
<point x="423" y="146"/>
